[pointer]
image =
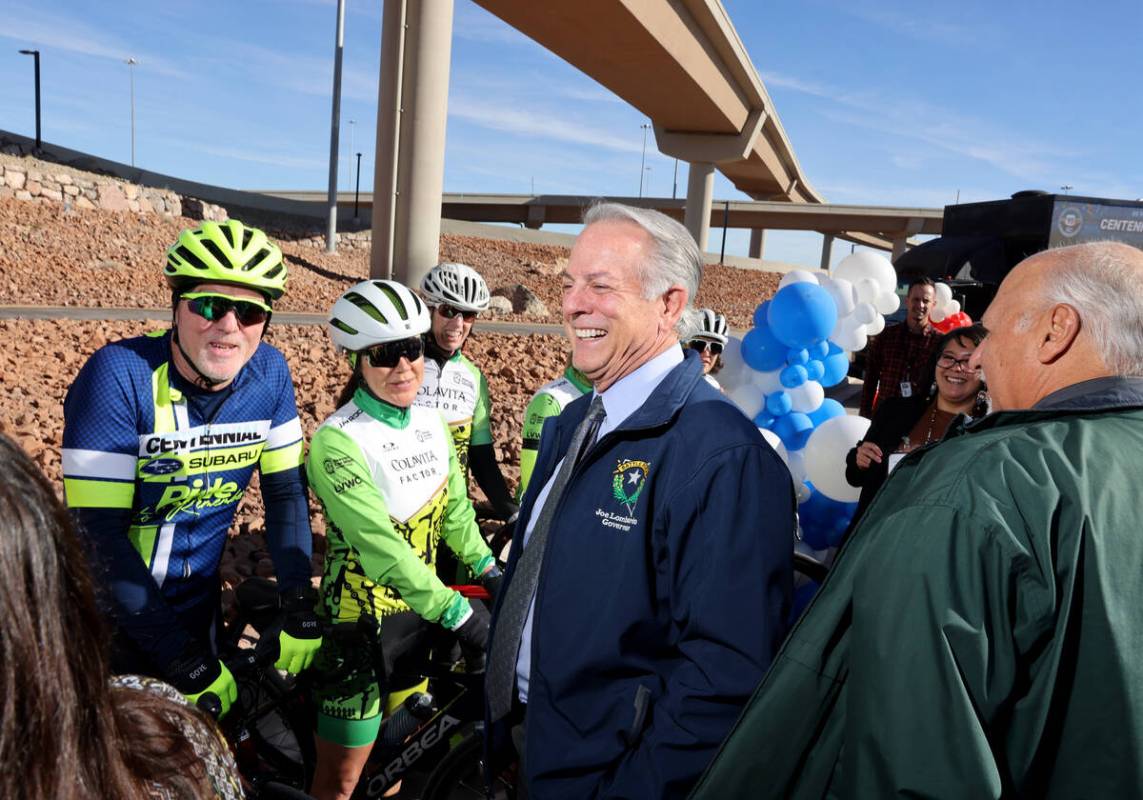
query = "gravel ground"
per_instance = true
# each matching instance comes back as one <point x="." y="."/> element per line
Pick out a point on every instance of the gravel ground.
<point x="113" y="259"/>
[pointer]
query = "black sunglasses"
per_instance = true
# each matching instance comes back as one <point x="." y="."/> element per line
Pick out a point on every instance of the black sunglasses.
<point x="213" y="307"/>
<point x="448" y="312"/>
<point x="388" y="354"/>
<point x="698" y="345"/>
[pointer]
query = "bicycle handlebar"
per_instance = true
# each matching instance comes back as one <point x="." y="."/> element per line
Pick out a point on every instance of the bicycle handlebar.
<point x="472" y="591"/>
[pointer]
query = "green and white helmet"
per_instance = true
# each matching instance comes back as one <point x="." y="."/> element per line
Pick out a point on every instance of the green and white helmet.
<point x="712" y="326"/>
<point x="457" y="285"/>
<point x="374" y="312"/>
<point x="226" y="252"/>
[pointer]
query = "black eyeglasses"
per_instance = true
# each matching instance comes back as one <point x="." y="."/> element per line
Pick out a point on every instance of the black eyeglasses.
<point x="388" y="354"/>
<point x="948" y="361"/>
<point x="448" y="312"/>
<point x="213" y="307"/>
<point x="698" y="345"/>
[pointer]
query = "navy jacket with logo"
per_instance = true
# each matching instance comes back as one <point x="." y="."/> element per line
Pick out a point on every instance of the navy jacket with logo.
<point x="662" y="597"/>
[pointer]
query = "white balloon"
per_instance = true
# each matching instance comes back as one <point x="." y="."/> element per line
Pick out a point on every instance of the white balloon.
<point x="848" y="333"/>
<point x="864" y="264"/>
<point x="796" y="461"/>
<point x="775" y="442"/>
<point x="860" y="340"/>
<point x="843" y="294"/>
<point x="887" y="302"/>
<point x="876" y="326"/>
<point x="944" y="294"/>
<point x="767" y="382"/>
<point x="747" y="396"/>
<point x="867" y="290"/>
<point x="797" y="276"/>
<point x="735" y="371"/>
<point x="953" y="308"/>
<point x="825" y="453"/>
<point x="937" y="314"/>
<point x="864" y="313"/>
<point x="807" y="397"/>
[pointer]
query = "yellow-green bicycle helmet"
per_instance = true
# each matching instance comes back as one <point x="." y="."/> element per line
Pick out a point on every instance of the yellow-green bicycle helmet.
<point x="226" y="252"/>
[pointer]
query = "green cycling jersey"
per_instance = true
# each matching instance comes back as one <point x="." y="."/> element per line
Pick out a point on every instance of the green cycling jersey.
<point x="392" y="490"/>
<point x="551" y="399"/>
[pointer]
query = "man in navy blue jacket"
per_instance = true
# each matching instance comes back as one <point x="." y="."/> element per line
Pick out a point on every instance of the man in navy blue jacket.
<point x="666" y="570"/>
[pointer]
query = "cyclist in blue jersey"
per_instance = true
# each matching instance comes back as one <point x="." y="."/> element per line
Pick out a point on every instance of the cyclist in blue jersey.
<point x="162" y="434"/>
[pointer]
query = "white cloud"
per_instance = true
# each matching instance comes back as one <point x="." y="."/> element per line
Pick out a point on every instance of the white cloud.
<point x="915" y="24"/>
<point x="259" y="156"/>
<point x="31" y="27"/>
<point x="543" y="125"/>
<point x="1014" y="152"/>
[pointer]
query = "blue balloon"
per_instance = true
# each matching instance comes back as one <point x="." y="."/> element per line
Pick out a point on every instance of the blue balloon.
<point x="764" y="419"/>
<point x="829" y="409"/>
<point x="796" y="356"/>
<point x="778" y="403"/>
<point x="815" y="370"/>
<point x="823" y="521"/>
<point x="761" y="351"/>
<point x="760" y="314"/>
<point x="836" y="366"/>
<point x="793" y="377"/>
<point x="820" y="350"/>
<point x="794" y="430"/>
<point x="802" y="314"/>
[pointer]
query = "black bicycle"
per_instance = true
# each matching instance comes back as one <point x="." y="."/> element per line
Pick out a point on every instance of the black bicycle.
<point x="435" y="740"/>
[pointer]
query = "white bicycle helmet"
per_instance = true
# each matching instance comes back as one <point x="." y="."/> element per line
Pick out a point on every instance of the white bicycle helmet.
<point x="457" y="285"/>
<point x="712" y="326"/>
<point x="374" y="312"/>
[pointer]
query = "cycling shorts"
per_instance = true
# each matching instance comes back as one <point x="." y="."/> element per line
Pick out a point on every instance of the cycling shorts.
<point x="347" y="688"/>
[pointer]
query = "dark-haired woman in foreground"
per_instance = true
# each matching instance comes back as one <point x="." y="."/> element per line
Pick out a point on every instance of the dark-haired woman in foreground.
<point x="66" y="729"/>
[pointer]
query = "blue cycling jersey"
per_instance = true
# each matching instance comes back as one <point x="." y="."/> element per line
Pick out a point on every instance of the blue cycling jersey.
<point x="175" y="471"/>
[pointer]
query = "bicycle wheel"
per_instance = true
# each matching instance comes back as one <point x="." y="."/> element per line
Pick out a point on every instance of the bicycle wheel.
<point x="280" y="746"/>
<point x="460" y="775"/>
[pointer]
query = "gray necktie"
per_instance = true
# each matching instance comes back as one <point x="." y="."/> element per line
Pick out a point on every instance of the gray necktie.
<point x="501" y="678"/>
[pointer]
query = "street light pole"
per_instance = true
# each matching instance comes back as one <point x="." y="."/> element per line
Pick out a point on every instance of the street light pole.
<point x="352" y="128"/>
<point x="675" y="185"/>
<point x="339" y="45"/>
<point x="357" y="188"/>
<point x="35" y="54"/>
<point x="131" y="62"/>
<point x="643" y="158"/>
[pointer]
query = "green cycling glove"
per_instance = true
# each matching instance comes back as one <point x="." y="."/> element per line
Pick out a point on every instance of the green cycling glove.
<point x="300" y="638"/>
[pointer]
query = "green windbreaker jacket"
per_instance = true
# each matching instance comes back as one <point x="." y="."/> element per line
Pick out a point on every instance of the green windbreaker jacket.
<point x="981" y="634"/>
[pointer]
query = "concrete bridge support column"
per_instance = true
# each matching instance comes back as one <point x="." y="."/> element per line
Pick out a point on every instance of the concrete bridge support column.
<point x="900" y="244"/>
<point x="416" y="51"/>
<point x="757" y="243"/>
<point x="700" y="188"/>
<point x="827" y="251"/>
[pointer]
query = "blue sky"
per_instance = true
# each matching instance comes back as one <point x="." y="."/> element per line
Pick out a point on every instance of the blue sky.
<point x="890" y="103"/>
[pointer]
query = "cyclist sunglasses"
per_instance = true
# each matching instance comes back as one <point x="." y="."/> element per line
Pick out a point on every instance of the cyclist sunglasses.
<point x="448" y="312"/>
<point x="213" y="307"/>
<point x="388" y="354"/>
<point x="698" y="345"/>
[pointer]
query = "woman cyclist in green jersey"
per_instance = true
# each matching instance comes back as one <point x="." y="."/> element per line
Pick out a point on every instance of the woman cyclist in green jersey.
<point x="392" y="489"/>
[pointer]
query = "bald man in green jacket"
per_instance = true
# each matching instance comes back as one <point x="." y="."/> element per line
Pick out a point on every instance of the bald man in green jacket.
<point x="981" y="634"/>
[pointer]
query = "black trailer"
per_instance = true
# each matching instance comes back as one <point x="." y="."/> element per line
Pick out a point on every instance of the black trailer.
<point x="982" y="242"/>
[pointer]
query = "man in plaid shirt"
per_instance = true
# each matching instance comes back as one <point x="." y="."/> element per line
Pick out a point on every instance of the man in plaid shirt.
<point x="897" y="358"/>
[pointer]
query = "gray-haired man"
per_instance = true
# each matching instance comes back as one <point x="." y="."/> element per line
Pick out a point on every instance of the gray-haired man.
<point x="649" y="581"/>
